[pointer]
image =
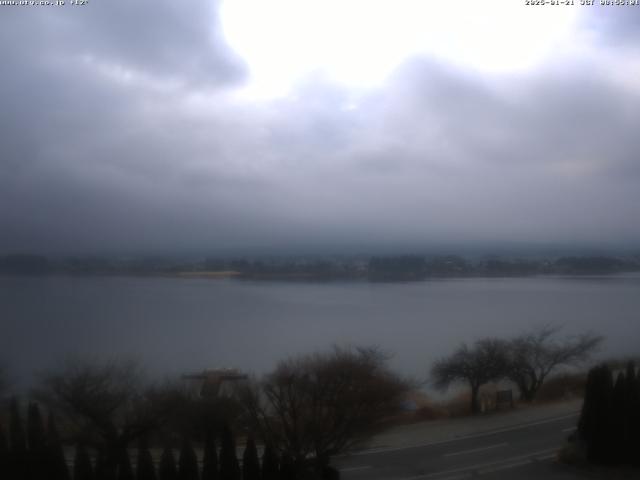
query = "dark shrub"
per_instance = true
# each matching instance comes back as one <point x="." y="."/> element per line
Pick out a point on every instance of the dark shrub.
<point x="619" y="428"/>
<point x="250" y="462"/>
<point x="168" y="470"/>
<point x="57" y="464"/>
<point x="210" y="459"/>
<point x="287" y="468"/>
<point x="105" y="468"/>
<point x="188" y="463"/>
<point x="146" y="469"/>
<point x="229" y="467"/>
<point x="270" y="467"/>
<point x="82" y="469"/>
<point x="125" y="472"/>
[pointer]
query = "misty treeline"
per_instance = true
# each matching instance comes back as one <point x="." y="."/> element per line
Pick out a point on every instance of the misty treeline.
<point x="291" y="421"/>
<point x="609" y="426"/>
<point x="377" y="268"/>
<point x="526" y="360"/>
<point x="416" y="267"/>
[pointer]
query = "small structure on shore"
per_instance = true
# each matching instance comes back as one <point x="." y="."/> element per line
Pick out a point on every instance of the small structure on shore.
<point x="504" y="399"/>
<point x="211" y="383"/>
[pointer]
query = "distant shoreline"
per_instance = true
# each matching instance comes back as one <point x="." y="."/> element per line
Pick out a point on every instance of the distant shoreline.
<point x="393" y="268"/>
<point x="310" y="277"/>
<point x="209" y="274"/>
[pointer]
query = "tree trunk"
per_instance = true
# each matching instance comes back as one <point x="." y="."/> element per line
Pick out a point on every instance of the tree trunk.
<point x="527" y="394"/>
<point x="475" y="403"/>
<point x="528" y="389"/>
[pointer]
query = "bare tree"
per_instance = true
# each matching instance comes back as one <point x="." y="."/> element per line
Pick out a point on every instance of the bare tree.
<point x="316" y="406"/>
<point x="534" y="355"/>
<point x="477" y="365"/>
<point x="104" y="401"/>
<point x="190" y="414"/>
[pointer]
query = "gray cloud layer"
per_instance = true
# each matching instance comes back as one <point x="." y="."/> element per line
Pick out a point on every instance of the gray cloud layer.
<point x="120" y="133"/>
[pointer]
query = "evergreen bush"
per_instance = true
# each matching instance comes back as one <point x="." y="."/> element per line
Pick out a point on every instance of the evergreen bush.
<point x="609" y="426"/>
<point x="270" y="464"/>
<point x="82" y="469"/>
<point x="104" y="469"/>
<point x="167" y="470"/>
<point x="36" y="444"/>
<point x="229" y="467"/>
<point x="210" y="459"/>
<point x="250" y="462"/>
<point x="16" y="431"/>
<point x="146" y="469"/>
<point x="57" y="463"/>
<point x="125" y="471"/>
<point x="619" y="435"/>
<point x="188" y="463"/>
<point x="4" y="453"/>
<point x="287" y="468"/>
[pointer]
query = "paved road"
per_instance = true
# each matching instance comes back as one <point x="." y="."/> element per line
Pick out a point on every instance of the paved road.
<point x="521" y="452"/>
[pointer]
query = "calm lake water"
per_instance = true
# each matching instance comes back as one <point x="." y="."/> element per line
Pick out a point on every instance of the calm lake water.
<point x="175" y="325"/>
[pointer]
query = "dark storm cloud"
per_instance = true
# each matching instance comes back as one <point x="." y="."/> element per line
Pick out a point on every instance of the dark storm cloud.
<point x="163" y="38"/>
<point x="121" y="132"/>
<point x="82" y="153"/>
<point x="449" y="156"/>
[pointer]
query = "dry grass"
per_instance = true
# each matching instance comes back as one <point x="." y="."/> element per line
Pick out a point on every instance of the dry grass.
<point x="562" y="387"/>
<point x="572" y="454"/>
<point x="559" y="388"/>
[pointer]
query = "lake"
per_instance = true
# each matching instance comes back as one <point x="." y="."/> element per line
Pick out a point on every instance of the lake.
<point x="176" y="325"/>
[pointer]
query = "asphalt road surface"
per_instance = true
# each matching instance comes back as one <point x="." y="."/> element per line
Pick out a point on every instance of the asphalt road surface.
<point x="526" y="451"/>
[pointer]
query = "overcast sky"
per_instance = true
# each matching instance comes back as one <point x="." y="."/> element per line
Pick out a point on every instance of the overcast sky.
<point x="167" y="126"/>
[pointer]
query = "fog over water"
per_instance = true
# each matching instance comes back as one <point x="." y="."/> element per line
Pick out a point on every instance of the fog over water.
<point x="177" y="325"/>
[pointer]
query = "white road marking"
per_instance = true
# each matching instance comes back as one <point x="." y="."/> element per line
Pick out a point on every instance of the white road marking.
<point x="353" y="469"/>
<point x="513" y="461"/>
<point x="546" y="457"/>
<point x="456" y="477"/>
<point x="506" y="466"/>
<point x="464" y="437"/>
<point x="570" y="429"/>
<point x="473" y="450"/>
